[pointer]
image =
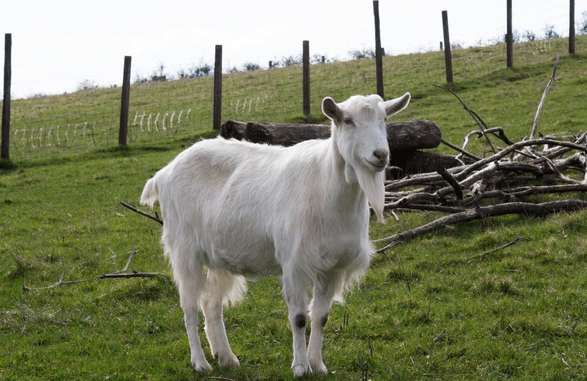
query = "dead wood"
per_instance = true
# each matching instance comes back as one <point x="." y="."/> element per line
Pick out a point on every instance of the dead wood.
<point x="409" y="135"/>
<point x="507" y="178"/>
<point x="489" y="211"/>
<point x="542" y="100"/>
<point x="135" y="274"/>
<point x="136" y="210"/>
<point x="61" y="282"/>
<point x="515" y="241"/>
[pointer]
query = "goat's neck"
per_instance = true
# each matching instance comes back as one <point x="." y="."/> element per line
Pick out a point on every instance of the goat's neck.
<point x="349" y="190"/>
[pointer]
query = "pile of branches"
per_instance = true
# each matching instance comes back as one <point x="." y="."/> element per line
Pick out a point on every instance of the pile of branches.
<point x="499" y="184"/>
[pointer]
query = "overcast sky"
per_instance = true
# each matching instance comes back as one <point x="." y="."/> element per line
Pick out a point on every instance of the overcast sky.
<point x="59" y="43"/>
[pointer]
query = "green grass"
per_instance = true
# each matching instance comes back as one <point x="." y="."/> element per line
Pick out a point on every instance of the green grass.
<point x="430" y="308"/>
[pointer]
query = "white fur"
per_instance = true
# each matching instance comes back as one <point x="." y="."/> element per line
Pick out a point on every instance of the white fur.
<point x="242" y="210"/>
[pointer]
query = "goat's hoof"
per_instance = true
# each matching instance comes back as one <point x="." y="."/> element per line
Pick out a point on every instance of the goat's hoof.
<point x="228" y="361"/>
<point x="202" y="366"/>
<point x="320" y="369"/>
<point x="300" y="370"/>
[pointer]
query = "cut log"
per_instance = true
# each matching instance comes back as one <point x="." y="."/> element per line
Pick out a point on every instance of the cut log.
<point x="412" y="162"/>
<point x="414" y="134"/>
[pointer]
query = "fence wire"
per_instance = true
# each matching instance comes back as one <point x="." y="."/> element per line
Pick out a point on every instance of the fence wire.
<point x="89" y="119"/>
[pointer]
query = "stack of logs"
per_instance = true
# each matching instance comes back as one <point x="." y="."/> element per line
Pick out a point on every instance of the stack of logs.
<point x="406" y="139"/>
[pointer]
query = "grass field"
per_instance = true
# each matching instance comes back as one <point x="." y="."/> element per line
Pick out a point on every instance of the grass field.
<point x="434" y="307"/>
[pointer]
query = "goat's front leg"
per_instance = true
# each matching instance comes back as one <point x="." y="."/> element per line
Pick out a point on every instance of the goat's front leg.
<point x="324" y="289"/>
<point x="294" y="292"/>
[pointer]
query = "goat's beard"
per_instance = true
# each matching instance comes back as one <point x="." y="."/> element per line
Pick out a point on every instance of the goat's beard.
<point x="373" y="184"/>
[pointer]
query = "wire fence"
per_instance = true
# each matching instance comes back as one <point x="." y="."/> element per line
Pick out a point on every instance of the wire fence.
<point x="61" y="125"/>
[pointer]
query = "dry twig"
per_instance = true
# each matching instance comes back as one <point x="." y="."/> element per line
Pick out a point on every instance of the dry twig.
<point x="516" y="240"/>
<point x="59" y="283"/>
<point x="136" y="210"/>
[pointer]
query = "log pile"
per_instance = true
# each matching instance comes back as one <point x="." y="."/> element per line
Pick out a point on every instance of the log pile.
<point x="500" y="184"/>
<point x="405" y="140"/>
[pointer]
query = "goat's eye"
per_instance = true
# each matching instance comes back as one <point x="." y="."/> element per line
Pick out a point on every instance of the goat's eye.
<point x="349" y="121"/>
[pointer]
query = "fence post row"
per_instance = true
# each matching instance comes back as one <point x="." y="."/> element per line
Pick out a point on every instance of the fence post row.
<point x="124" y="102"/>
<point x="306" y="78"/>
<point x="509" y="37"/>
<point x="447" y="55"/>
<point x="378" y="52"/>
<point x="217" y="116"/>
<point x="5" y="149"/>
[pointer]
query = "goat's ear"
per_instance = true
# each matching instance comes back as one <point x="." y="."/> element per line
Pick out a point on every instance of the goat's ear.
<point x="396" y="105"/>
<point x="331" y="110"/>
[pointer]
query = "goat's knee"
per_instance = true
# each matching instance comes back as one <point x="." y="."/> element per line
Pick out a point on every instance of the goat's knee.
<point x="300" y="321"/>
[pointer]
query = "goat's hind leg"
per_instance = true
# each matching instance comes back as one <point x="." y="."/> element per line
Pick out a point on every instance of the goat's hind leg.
<point x="219" y="287"/>
<point x="190" y="283"/>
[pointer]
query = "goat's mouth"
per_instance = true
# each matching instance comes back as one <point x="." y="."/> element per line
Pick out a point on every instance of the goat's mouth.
<point x="377" y="166"/>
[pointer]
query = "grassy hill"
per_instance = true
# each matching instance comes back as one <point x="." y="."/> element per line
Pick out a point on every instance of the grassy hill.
<point x="430" y="308"/>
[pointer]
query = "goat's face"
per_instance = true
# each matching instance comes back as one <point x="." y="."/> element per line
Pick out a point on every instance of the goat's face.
<point x="360" y="134"/>
<point x="360" y="129"/>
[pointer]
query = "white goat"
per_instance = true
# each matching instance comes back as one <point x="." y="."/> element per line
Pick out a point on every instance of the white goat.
<point x="240" y="210"/>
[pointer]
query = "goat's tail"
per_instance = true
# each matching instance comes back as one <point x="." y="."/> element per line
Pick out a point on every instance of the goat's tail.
<point x="150" y="192"/>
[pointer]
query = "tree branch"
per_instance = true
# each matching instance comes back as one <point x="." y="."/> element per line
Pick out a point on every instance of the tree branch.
<point x="129" y="206"/>
<point x="541" y="104"/>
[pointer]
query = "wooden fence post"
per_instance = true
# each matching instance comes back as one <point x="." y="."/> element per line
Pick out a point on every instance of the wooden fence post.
<point x="572" y="27"/>
<point x="509" y="37"/>
<point x="124" y="103"/>
<point x="306" y="78"/>
<point x="217" y="118"/>
<point x="447" y="55"/>
<point x="5" y="150"/>
<point x="378" y="55"/>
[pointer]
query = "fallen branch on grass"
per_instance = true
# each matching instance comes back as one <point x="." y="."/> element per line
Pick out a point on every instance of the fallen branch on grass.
<point x="484" y="212"/>
<point x="59" y="283"/>
<point x="134" y="274"/>
<point x="123" y="274"/>
<point x="518" y="239"/>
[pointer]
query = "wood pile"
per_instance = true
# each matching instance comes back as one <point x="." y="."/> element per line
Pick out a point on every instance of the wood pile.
<point x="405" y="139"/>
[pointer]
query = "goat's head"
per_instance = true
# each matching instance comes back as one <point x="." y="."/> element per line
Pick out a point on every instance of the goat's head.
<point x="360" y="134"/>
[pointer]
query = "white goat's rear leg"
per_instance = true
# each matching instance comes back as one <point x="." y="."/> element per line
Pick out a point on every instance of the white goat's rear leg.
<point x="294" y="292"/>
<point x="323" y="293"/>
<point x="190" y="285"/>
<point x="217" y="286"/>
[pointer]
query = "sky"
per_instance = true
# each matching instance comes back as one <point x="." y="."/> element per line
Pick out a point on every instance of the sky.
<point x="58" y="44"/>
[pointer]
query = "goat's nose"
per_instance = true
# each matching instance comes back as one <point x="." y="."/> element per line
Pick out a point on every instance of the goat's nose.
<point x="381" y="154"/>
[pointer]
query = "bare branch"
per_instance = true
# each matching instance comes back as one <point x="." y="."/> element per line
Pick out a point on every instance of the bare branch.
<point x="541" y="104"/>
<point x="489" y="211"/>
<point x="59" y="283"/>
<point x="130" y="257"/>
<point x="473" y="114"/>
<point x="129" y="206"/>
<point x="134" y="274"/>
<point x="518" y="239"/>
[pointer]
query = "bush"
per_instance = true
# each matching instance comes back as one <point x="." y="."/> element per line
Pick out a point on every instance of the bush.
<point x="550" y="32"/>
<point x="288" y="61"/>
<point x="251" y="66"/>
<point x="529" y="35"/>
<point x="87" y="84"/>
<point x="362" y="54"/>
<point x="202" y="69"/>
<point x="582" y="26"/>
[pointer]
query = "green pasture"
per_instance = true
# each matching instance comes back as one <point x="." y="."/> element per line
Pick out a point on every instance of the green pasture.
<point x="436" y="307"/>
